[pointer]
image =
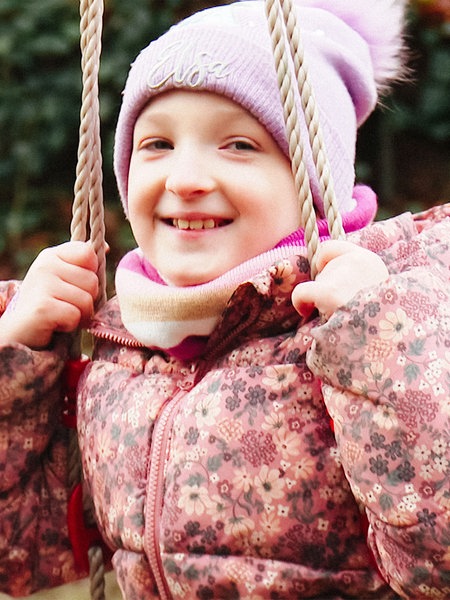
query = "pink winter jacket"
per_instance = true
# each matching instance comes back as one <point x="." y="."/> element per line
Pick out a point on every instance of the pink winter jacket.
<point x="294" y="460"/>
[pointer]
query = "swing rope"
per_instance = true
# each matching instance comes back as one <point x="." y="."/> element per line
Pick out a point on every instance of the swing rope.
<point x="88" y="205"/>
<point x="286" y="41"/>
<point x="88" y="192"/>
<point x="88" y="195"/>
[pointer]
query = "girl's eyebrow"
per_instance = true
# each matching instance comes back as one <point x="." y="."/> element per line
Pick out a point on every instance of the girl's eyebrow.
<point x="148" y="117"/>
<point x="228" y="113"/>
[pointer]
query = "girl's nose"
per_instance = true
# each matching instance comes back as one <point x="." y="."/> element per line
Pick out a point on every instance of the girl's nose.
<point x="189" y="175"/>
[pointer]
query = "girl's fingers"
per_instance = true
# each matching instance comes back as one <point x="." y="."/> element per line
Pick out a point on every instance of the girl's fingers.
<point x="57" y="294"/>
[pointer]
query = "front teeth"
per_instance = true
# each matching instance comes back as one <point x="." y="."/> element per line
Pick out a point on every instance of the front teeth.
<point x="195" y="224"/>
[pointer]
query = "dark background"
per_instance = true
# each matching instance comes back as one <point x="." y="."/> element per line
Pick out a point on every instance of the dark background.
<point x="403" y="150"/>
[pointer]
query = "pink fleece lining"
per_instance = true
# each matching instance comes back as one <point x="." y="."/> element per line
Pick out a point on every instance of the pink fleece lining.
<point x="363" y="214"/>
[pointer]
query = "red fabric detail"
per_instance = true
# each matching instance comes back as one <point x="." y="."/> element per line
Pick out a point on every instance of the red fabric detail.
<point x="82" y="537"/>
<point x="73" y="369"/>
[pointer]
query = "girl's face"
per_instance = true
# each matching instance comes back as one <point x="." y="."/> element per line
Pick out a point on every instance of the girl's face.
<point x="208" y="187"/>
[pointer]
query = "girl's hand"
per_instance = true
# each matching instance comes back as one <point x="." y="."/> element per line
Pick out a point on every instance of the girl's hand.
<point x="57" y="294"/>
<point x="343" y="270"/>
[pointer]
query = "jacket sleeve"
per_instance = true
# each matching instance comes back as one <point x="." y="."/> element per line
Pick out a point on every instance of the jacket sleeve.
<point x="34" y="547"/>
<point x="384" y="360"/>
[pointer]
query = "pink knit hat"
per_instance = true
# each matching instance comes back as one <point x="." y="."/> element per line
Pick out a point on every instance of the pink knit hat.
<point x="352" y="49"/>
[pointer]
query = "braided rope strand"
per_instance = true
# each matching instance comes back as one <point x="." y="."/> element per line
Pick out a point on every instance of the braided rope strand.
<point x="312" y="120"/>
<point x="88" y="195"/>
<point x="88" y="200"/>
<point x="296" y="149"/>
<point x="97" y="222"/>
<point x="82" y="182"/>
<point x="96" y="573"/>
<point x="96" y="209"/>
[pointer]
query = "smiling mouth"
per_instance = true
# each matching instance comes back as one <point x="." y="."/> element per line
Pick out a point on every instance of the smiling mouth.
<point x="197" y="224"/>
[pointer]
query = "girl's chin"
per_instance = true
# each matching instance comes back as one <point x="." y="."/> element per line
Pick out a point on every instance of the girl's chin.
<point x="187" y="277"/>
<point x="186" y="282"/>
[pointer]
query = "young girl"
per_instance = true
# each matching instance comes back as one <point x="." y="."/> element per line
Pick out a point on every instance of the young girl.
<point x="237" y="444"/>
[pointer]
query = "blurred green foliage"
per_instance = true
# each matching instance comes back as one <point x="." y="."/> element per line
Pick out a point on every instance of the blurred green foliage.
<point x="40" y="97"/>
<point x="404" y="150"/>
<point x="426" y="110"/>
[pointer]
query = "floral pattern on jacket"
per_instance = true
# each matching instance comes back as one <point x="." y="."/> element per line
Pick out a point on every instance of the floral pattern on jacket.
<point x="222" y="478"/>
<point x="35" y="551"/>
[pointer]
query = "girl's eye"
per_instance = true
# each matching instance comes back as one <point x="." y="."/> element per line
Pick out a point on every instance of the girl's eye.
<point x="242" y="145"/>
<point x="156" y="145"/>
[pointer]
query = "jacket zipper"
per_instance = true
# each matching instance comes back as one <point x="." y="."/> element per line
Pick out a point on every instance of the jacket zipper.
<point x="116" y="338"/>
<point x="155" y="474"/>
<point x="155" y="494"/>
